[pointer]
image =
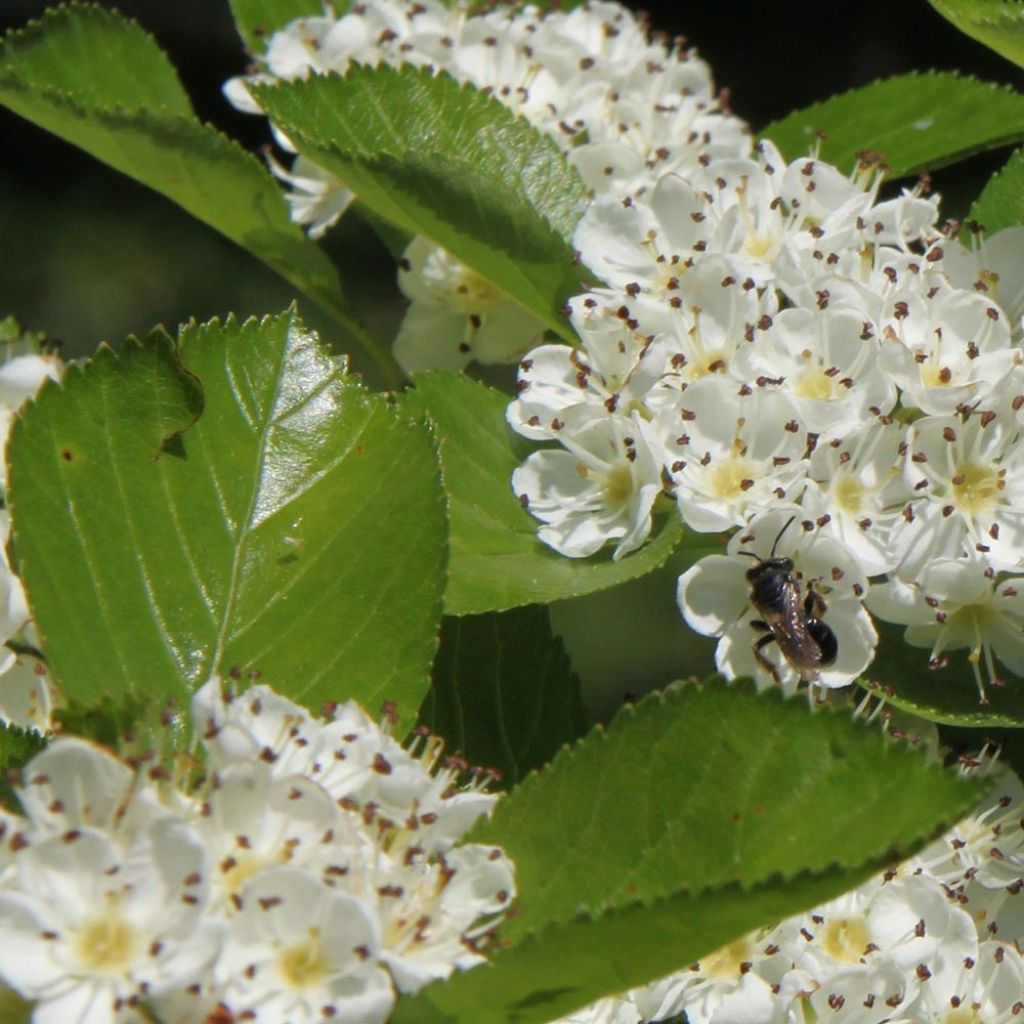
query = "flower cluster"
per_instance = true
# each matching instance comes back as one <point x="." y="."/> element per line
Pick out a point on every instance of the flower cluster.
<point x="26" y="694"/>
<point x="624" y="107"/>
<point x="311" y="873"/>
<point x="827" y="374"/>
<point x="774" y="342"/>
<point x="935" y="941"/>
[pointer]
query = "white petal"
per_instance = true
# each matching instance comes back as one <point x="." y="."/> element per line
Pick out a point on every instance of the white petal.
<point x="713" y="593"/>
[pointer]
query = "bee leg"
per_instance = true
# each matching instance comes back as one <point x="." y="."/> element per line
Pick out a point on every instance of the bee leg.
<point x="814" y="603"/>
<point x="759" y="646"/>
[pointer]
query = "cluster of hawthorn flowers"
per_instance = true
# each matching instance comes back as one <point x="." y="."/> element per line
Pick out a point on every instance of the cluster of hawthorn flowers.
<point x="772" y="343"/>
<point x="822" y="373"/>
<point x="625" y="108"/>
<point x="936" y="940"/>
<point x="311" y="872"/>
<point x="26" y="693"/>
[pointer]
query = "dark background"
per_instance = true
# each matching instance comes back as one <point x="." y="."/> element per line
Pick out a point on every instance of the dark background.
<point x="89" y="255"/>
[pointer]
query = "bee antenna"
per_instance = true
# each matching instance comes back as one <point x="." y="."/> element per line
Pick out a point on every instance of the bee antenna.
<point x="786" y="526"/>
<point x="749" y="554"/>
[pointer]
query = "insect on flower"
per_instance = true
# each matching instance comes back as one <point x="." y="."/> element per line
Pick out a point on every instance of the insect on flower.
<point x="790" y="618"/>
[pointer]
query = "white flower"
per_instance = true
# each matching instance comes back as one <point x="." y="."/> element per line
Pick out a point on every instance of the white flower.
<point x="857" y="994"/>
<point x="707" y="323"/>
<point x="993" y="269"/>
<point x="983" y="987"/>
<point x="732" y="452"/>
<point x="600" y="488"/>
<point x="254" y="820"/>
<point x="715" y="599"/>
<point x="986" y="847"/>
<point x="855" y="491"/>
<point x="735" y="982"/>
<point x="455" y="315"/>
<point x="958" y="603"/>
<point x="967" y="475"/>
<point x="433" y="915"/>
<point x="302" y="952"/>
<point x="908" y="922"/>
<point x="827" y="361"/>
<point x="948" y="352"/>
<point x="27" y="694"/>
<point x="613" y="371"/>
<point x="647" y="240"/>
<point x="317" y="197"/>
<point x="87" y="925"/>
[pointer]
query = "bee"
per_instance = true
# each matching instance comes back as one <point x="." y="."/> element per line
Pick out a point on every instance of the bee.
<point x="789" y="618"/>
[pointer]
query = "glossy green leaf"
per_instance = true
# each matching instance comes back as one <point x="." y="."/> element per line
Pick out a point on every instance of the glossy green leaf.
<point x="451" y="163"/>
<point x="496" y="560"/>
<point x="504" y="695"/>
<point x="999" y="24"/>
<point x="916" y="122"/>
<point x="95" y="96"/>
<point x="257" y="20"/>
<point x="1001" y="203"/>
<point x="235" y="503"/>
<point x="901" y="675"/>
<point x="701" y="813"/>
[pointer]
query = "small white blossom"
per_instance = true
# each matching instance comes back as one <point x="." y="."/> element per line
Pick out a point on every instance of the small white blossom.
<point x="600" y="488"/>
<point x="855" y="491"/>
<point x="966" y="475"/>
<point x="947" y="353"/>
<point x="959" y="603"/>
<point x="456" y="316"/>
<point x="732" y="452"/>
<point x="301" y="952"/>
<point x="993" y="268"/>
<point x="827" y="361"/>
<point x="107" y="901"/>
<point x="613" y="371"/>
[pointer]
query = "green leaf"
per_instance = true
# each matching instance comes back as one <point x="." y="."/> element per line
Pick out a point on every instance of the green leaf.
<point x="504" y="695"/>
<point x="999" y="24"/>
<point x="1001" y="203"/>
<point x="449" y="162"/>
<point x="296" y="529"/>
<point x="17" y="747"/>
<point x="496" y="561"/>
<point x="85" y="96"/>
<point x="97" y="56"/>
<point x="917" y="122"/>
<point x="257" y="20"/>
<point x="703" y="812"/>
<point x="901" y="675"/>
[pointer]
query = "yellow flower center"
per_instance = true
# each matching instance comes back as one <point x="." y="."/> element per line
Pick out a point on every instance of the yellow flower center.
<point x="844" y="939"/>
<point x="731" y="477"/>
<point x="727" y="963"/>
<point x="935" y="375"/>
<point x="618" y="486"/>
<point x="758" y="245"/>
<point x="976" y="488"/>
<point x="107" y="944"/>
<point x="814" y="383"/>
<point x="305" y="963"/>
<point x="849" y="493"/>
<point x="965" y="1013"/>
<point x="472" y="293"/>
